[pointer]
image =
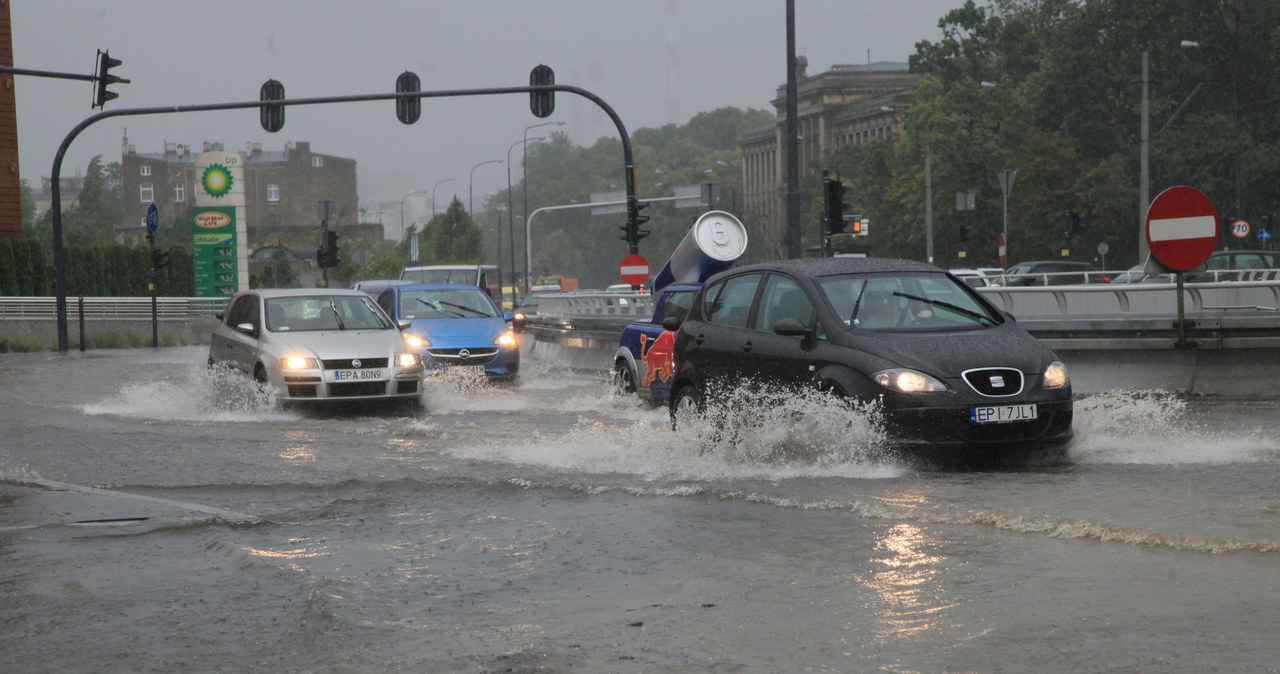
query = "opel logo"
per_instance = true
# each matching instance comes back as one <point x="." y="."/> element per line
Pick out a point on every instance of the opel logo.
<point x="464" y="354"/>
<point x="355" y="362"/>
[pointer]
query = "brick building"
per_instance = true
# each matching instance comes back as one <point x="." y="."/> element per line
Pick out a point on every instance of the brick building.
<point x="10" y="178"/>
<point x="282" y="190"/>
<point x="847" y="104"/>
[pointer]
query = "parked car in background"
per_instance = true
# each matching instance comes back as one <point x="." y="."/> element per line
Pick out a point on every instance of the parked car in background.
<point x="316" y="345"/>
<point x="452" y="325"/>
<point x="526" y="309"/>
<point x="1051" y="272"/>
<point x="949" y="370"/>
<point x="974" y="278"/>
<point x="1237" y="265"/>
<point x="643" y="363"/>
<point x="484" y="276"/>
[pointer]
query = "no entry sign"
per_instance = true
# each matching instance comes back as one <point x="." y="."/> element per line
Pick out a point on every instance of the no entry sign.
<point x="1182" y="228"/>
<point x="634" y="270"/>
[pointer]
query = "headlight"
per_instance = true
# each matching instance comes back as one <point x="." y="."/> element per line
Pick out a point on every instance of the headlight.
<point x="408" y="360"/>
<point x="298" y="363"/>
<point x="1055" y="376"/>
<point x="415" y="341"/>
<point x="507" y="339"/>
<point x="519" y="316"/>
<point x="908" y="381"/>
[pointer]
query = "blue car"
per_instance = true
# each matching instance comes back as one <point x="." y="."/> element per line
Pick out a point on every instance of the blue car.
<point x="454" y="326"/>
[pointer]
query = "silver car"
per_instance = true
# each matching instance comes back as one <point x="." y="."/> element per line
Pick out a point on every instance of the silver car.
<point x="316" y="344"/>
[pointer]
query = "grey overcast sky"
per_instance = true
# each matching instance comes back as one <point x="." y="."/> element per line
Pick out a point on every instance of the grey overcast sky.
<point x="654" y="61"/>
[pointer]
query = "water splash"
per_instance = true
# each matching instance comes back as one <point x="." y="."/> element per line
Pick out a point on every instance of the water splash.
<point x="1154" y="427"/>
<point x="196" y="394"/>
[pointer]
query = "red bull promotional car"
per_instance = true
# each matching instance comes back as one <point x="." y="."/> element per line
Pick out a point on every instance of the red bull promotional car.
<point x="644" y="364"/>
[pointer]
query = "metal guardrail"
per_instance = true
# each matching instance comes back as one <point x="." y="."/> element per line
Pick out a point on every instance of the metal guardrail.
<point x="1136" y="299"/>
<point x="579" y="304"/>
<point x="111" y="308"/>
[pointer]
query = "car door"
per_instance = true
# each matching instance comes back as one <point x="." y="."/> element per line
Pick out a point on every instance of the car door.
<point x="236" y="348"/>
<point x="716" y="343"/>
<point x="775" y="358"/>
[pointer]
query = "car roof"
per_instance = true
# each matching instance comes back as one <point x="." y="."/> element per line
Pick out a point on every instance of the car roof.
<point x="404" y="287"/>
<point x="305" y="292"/>
<point x="825" y="266"/>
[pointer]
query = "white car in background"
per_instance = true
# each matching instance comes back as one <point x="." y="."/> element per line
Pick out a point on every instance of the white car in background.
<point x="317" y="344"/>
<point x="977" y="278"/>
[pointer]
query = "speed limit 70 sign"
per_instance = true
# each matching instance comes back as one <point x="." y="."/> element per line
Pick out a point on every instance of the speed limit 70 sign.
<point x="1240" y="229"/>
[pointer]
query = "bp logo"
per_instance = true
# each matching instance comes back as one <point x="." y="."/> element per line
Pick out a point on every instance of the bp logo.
<point x="216" y="180"/>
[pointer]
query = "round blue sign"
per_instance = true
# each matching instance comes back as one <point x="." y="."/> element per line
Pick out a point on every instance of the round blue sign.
<point x="153" y="218"/>
<point x="1264" y="234"/>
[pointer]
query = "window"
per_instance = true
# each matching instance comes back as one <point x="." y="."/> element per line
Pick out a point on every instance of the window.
<point x="732" y="304"/>
<point x="783" y="298"/>
<point x="179" y="192"/>
<point x="317" y="162"/>
<point x="146" y="193"/>
<point x="145" y="170"/>
<point x="273" y="192"/>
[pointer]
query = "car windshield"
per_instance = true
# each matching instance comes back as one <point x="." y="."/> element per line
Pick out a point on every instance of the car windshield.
<point x="904" y="302"/>
<point x="452" y="303"/>
<point x="324" y="312"/>
<point x="467" y="276"/>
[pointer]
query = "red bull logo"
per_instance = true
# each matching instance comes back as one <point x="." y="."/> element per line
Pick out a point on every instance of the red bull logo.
<point x="659" y="358"/>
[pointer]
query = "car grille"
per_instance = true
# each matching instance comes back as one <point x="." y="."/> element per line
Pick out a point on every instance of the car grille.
<point x="463" y="356"/>
<point x="995" y="382"/>
<point x="357" y="388"/>
<point x="346" y="363"/>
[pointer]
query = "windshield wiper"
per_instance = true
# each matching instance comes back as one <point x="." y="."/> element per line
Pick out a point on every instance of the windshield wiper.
<point x="336" y="315"/>
<point x="856" y="303"/>
<point x="464" y="308"/>
<point x="947" y="305"/>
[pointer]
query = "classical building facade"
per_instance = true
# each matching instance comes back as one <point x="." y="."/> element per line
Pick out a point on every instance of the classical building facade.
<point x="282" y="190"/>
<point x="847" y="104"/>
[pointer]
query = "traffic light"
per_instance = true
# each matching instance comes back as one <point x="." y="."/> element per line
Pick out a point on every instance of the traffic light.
<point x="542" y="103"/>
<point x="855" y="225"/>
<point x="964" y="231"/>
<point x="408" y="110"/>
<point x="101" y="95"/>
<point x="331" y="248"/>
<point x="271" y="115"/>
<point x="159" y="258"/>
<point x="632" y="230"/>
<point x="834" y="201"/>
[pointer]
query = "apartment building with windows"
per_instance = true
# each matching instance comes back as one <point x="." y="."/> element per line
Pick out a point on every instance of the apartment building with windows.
<point x="282" y="190"/>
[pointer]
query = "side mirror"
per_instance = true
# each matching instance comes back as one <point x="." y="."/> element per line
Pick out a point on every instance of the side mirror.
<point x="671" y="323"/>
<point x="508" y="316"/>
<point x="404" y="325"/>
<point x="791" y="327"/>
<point x="247" y="328"/>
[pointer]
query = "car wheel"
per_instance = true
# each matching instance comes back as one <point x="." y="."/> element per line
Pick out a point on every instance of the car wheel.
<point x="686" y="405"/>
<point x="624" y="380"/>
<point x="260" y="376"/>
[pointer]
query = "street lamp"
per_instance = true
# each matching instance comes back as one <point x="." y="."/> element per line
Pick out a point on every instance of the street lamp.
<point x="433" y="195"/>
<point x="470" y="206"/>
<point x="1235" y="108"/>
<point x="402" y="209"/>
<point x="511" y="223"/>
<point x="524" y="188"/>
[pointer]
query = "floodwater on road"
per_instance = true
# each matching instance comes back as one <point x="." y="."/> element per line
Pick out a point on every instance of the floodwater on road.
<point x="154" y="518"/>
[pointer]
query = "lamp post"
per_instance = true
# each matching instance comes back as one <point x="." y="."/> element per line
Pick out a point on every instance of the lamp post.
<point x="402" y="209"/>
<point x="524" y="189"/>
<point x="1235" y="109"/>
<point x="470" y="205"/>
<point x="433" y="196"/>
<point x="511" y="223"/>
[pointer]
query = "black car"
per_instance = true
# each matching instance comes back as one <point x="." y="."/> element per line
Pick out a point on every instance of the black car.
<point x="948" y="369"/>
<point x="1052" y="273"/>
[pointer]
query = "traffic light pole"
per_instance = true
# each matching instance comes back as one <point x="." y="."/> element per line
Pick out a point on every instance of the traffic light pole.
<point x="59" y="262"/>
<point x="155" y="277"/>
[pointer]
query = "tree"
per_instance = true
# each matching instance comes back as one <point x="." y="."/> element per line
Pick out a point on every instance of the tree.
<point x="452" y="237"/>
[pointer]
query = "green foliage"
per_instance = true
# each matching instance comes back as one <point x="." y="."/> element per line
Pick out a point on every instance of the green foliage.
<point x="277" y="273"/>
<point x="451" y="237"/>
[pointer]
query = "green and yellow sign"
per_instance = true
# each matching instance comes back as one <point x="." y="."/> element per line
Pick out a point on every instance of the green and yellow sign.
<point x="213" y="239"/>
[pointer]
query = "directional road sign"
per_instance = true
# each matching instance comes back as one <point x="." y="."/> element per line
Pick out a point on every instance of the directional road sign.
<point x="634" y="270"/>
<point x="153" y="218"/>
<point x="1182" y="228"/>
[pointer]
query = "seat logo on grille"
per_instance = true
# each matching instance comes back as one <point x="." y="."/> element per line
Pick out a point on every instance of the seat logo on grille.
<point x="355" y="362"/>
<point x="464" y="354"/>
<point x="997" y="381"/>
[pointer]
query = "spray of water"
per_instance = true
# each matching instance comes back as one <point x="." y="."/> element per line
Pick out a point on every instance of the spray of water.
<point x="1153" y="427"/>
<point x="195" y="394"/>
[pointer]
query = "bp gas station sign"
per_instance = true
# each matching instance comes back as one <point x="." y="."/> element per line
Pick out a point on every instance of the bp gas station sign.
<point x="213" y="239"/>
